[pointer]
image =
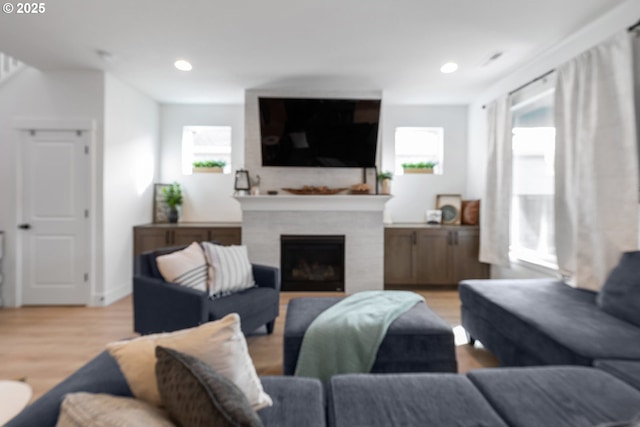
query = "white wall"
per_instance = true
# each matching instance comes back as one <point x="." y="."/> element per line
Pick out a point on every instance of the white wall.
<point x="414" y="194"/>
<point x="130" y="164"/>
<point x="207" y="197"/>
<point x="32" y="94"/>
<point x="604" y="27"/>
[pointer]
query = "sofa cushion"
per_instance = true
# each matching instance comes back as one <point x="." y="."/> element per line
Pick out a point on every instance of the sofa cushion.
<point x="620" y="295"/>
<point x="560" y="325"/>
<point x="100" y="375"/>
<point x="296" y="402"/>
<point x="195" y="395"/>
<point x="557" y="396"/>
<point x="385" y="400"/>
<point x="230" y="269"/>
<point x="220" y="344"/>
<point x="186" y="267"/>
<point x="627" y="370"/>
<point x="104" y="410"/>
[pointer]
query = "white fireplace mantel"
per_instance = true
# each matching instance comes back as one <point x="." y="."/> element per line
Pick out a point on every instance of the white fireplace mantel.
<point x="356" y="217"/>
<point x="315" y="203"/>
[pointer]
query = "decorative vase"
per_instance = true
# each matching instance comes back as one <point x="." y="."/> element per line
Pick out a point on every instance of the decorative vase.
<point x="173" y="214"/>
<point x="385" y="187"/>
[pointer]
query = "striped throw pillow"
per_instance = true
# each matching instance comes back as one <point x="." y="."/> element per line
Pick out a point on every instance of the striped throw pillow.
<point x="187" y="267"/>
<point x="231" y="268"/>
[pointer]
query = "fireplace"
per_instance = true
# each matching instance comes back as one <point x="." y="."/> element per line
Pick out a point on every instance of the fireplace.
<point x="312" y="263"/>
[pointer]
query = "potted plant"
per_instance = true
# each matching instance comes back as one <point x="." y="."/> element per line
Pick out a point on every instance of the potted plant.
<point x="173" y="197"/>
<point x="210" y="166"/>
<point x="420" y="167"/>
<point x="384" y="178"/>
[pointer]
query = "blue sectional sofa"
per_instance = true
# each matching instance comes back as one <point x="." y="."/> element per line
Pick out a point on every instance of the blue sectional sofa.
<point x="518" y="397"/>
<point x="544" y="322"/>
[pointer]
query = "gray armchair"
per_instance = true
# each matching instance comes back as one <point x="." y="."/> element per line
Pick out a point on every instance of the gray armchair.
<point x="159" y="306"/>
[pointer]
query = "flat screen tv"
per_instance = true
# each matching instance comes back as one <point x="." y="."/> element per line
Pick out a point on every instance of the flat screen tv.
<point x="319" y="132"/>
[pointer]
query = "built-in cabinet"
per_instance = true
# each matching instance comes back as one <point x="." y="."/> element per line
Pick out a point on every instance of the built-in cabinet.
<point x="432" y="255"/>
<point x="153" y="236"/>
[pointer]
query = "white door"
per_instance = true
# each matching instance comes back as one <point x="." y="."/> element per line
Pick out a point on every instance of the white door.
<point x="54" y="231"/>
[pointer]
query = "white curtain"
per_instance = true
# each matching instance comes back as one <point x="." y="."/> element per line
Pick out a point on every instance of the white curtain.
<point x="596" y="162"/>
<point x="496" y="204"/>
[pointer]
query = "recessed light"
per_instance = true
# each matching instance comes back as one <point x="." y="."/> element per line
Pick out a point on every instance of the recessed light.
<point x="183" y="65"/>
<point x="449" y="67"/>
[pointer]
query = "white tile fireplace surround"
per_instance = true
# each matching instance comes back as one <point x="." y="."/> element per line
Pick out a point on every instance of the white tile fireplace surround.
<point x="358" y="218"/>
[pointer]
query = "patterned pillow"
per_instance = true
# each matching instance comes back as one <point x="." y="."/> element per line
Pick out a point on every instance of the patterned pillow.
<point x="103" y="410"/>
<point x="187" y="267"/>
<point x="195" y="395"/>
<point x="232" y="270"/>
<point x="219" y="344"/>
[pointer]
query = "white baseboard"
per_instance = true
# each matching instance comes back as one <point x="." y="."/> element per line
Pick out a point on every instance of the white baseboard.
<point x="108" y="298"/>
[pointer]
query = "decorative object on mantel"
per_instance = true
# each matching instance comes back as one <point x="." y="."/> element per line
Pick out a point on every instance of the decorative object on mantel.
<point x="421" y="167"/>
<point x="272" y="192"/>
<point x="384" y="178"/>
<point x="173" y="198"/>
<point x="255" y="185"/>
<point x="242" y="182"/>
<point x="309" y="190"/>
<point x="360" y="189"/>
<point x="470" y="212"/>
<point x="160" y="207"/>
<point x="209" y="166"/>
<point x="434" y="217"/>
<point x="450" y="205"/>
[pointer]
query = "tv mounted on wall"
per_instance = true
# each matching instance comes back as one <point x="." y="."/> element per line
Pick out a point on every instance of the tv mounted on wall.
<point x="319" y="132"/>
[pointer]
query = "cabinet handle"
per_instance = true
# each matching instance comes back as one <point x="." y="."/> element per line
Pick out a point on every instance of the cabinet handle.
<point x="449" y="238"/>
<point x="414" y="238"/>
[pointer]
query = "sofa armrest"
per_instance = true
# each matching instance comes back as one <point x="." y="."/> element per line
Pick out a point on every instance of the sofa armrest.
<point x="266" y="276"/>
<point x="159" y="306"/>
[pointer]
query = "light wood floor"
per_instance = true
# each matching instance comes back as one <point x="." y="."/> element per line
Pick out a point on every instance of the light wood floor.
<point x="46" y="344"/>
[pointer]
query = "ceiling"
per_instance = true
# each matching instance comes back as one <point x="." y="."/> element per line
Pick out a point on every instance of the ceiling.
<point x="395" y="46"/>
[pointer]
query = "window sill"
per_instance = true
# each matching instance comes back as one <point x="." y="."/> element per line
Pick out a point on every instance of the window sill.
<point x="536" y="264"/>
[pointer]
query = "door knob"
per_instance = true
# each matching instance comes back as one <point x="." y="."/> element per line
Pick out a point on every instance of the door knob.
<point x="24" y="226"/>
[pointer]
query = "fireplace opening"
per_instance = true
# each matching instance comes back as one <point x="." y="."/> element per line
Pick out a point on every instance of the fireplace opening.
<point x="312" y="263"/>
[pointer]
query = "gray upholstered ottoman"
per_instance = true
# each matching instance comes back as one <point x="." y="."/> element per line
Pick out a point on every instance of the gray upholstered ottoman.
<point x="417" y="341"/>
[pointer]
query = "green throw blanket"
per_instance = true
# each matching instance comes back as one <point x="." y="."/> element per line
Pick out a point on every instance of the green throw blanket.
<point x="345" y="337"/>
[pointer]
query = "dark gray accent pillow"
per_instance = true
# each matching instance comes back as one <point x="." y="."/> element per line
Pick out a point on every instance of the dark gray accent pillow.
<point x="620" y="295"/>
<point x="195" y="395"/>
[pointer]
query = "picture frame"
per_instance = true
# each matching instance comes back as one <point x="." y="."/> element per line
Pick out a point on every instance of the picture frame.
<point x="160" y="207"/>
<point x="451" y="206"/>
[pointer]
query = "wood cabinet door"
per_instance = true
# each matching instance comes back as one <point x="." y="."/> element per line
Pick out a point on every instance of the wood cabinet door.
<point x="187" y="235"/>
<point x="225" y="236"/>
<point x="466" y="247"/>
<point x="148" y="239"/>
<point x="433" y="256"/>
<point x="399" y="256"/>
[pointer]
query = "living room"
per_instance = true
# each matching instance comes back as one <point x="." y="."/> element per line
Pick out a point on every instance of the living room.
<point x="136" y="124"/>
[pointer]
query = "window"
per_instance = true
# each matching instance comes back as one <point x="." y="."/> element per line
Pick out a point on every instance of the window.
<point x="417" y="145"/>
<point x="532" y="202"/>
<point x="203" y="143"/>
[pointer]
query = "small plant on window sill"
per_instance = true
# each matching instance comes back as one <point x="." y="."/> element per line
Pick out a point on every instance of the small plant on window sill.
<point x="210" y="166"/>
<point x="420" y="167"/>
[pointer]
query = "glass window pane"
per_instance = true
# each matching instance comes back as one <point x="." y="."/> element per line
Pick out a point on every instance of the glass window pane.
<point x="418" y="144"/>
<point x="202" y="143"/>
<point x="532" y="209"/>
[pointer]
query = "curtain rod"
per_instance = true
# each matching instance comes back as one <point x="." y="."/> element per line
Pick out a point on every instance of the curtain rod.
<point x="631" y="28"/>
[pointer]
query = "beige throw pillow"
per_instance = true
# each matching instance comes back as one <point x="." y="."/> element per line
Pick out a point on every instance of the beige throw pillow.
<point x="187" y="267"/>
<point x="103" y="410"/>
<point x="219" y="344"/>
<point x="232" y="270"/>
